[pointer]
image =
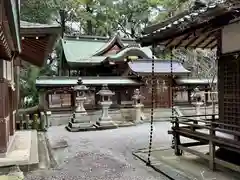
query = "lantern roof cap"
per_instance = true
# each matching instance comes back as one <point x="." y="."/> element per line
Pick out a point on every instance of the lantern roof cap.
<point x="105" y="91"/>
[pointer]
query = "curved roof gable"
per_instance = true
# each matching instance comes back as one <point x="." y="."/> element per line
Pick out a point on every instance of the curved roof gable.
<point x="145" y="53"/>
<point x="115" y="40"/>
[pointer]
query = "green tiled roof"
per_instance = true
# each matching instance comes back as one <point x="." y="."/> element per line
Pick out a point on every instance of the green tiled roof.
<point x="87" y="50"/>
<point x="77" y="51"/>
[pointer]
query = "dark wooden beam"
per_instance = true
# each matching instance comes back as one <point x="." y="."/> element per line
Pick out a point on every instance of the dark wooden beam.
<point x="150" y="29"/>
<point x="212" y="24"/>
<point x="169" y="42"/>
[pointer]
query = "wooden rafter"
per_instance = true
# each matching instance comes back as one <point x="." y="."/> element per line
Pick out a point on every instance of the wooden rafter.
<point x="4" y="45"/>
<point x="169" y="43"/>
<point x="214" y="45"/>
<point x="209" y="43"/>
<point x="35" y="44"/>
<point x="182" y="40"/>
<point x="205" y="38"/>
<point x="36" y="50"/>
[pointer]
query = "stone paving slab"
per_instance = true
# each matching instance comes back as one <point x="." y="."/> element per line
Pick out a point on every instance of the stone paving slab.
<point x="186" y="167"/>
<point x="24" y="149"/>
<point x="6" y="177"/>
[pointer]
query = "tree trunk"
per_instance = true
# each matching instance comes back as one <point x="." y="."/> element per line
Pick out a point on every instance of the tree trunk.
<point x="89" y="23"/>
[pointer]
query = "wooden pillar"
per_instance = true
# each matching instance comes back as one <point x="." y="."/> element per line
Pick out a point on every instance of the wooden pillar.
<point x="189" y="94"/>
<point x="11" y="109"/>
<point x="17" y="100"/>
<point x="42" y="99"/>
<point x="212" y="145"/>
<point x="4" y="118"/>
<point x="206" y="94"/>
<point x="4" y="110"/>
<point x="73" y="99"/>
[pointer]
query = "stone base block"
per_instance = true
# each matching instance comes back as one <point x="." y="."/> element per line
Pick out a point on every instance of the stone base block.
<point x="80" y="114"/>
<point x="106" y="125"/>
<point x="77" y="127"/>
<point x="81" y="119"/>
<point x="23" y="151"/>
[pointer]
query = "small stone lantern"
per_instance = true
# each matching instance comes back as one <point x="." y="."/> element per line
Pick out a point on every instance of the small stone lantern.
<point x="197" y="101"/>
<point x="137" y="97"/>
<point x="80" y="90"/>
<point x="79" y="119"/>
<point x="105" y="101"/>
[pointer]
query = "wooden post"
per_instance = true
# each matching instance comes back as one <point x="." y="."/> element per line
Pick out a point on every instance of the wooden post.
<point x="21" y="121"/>
<point x="42" y="121"/>
<point x="212" y="146"/>
<point x="27" y="120"/>
<point x="189" y="95"/>
<point x="35" y="121"/>
<point x="176" y="137"/>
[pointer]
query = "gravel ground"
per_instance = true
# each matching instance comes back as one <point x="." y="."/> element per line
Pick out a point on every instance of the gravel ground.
<point x="103" y="155"/>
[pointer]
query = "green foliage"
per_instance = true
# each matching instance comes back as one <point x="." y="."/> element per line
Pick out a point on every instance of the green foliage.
<point x="39" y="11"/>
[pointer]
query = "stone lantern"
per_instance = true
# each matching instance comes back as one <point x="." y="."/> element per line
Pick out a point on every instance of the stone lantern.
<point x="80" y="91"/>
<point x="105" y="102"/>
<point x="79" y="119"/>
<point x="138" y="114"/>
<point x="197" y="101"/>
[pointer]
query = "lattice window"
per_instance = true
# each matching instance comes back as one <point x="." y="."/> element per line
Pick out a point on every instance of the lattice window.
<point x="230" y="87"/>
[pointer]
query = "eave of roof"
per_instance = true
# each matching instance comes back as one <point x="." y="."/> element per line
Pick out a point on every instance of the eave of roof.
<point x="38" y="29"/>
<point x="160" y="67"/>
<point x="197" y="28"/>
<point x="60" y="81"/>
<point x="194" y="81"/>
<point x="38" y="41"/>
<point x="12" y="13"/>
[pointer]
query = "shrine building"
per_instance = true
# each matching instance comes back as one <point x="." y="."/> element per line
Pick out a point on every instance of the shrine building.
<point x="118" y="62"/>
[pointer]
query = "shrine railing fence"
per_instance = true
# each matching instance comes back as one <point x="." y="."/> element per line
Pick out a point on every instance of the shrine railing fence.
<point x="205" y="130"/>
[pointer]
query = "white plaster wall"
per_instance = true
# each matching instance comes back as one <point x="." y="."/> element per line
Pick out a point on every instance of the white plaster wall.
<point x="231" y="38"/>
<point x="4" y="69"/>
<point x="8" y="70"/>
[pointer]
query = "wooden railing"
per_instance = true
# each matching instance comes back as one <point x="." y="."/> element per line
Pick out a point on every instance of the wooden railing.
<point x="202" y="129"/>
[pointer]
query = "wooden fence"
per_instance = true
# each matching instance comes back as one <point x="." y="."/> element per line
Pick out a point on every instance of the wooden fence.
<point x="202" y="129"/>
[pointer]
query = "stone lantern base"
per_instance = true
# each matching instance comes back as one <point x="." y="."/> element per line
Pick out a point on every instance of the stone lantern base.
<point x="80" y="122"/>
<point x="105" y="121"/>
<point x="106" y="124"/>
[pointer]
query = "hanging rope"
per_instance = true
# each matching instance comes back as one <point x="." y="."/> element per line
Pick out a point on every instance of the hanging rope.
<point x="152" y="108"/>
<point x="172" y="118"/>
